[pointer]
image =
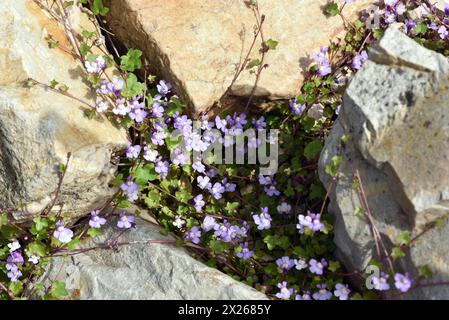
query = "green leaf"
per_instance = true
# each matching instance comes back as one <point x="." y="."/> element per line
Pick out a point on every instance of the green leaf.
<point x="58" y="289"/>
<point x="397" y="253"/>
<point x="99" y="9"/>
<point x="183" y="196"/>
<point x="425" y="271"/>
<point x="334" y="266"/>
<point x="87" y="34"/>
<point x="271" y="44"/>
<point x="332" y="9"/>
<point x="72" y="244"/>
<point x="38" y="248"/>
<point x="3" y="219"/>
<point x="94" y="232"/>
<point x="40" y="223"/>
<point x="133" y="87"/>
<point x="131" y="61"/>
<point x="145" y="173"/>
<point x="84" y="49"/>
<point x="153" y="199"/>
<point x="16" y="287"/>
<point x="217" y="246"/>
<point x="403" y="238"/>
<point x="312" y="150"/>
<point x="420" y="28"/>
<point x="253" y="63"/>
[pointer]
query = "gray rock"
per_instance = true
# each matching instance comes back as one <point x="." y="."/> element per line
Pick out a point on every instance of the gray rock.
<point x="38" y="127"/>
<point x="143" y="271"/>
<point x="395" y="121"/>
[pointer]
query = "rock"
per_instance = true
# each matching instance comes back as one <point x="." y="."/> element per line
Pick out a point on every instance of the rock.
<point x="143" y="271"/>
<point x="395" y="121"/>
<point x="38" y="127"/>
<point x="198" y="44"/>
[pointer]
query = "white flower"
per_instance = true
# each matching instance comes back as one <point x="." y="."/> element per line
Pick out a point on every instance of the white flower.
<point x="95" y="66"/>
<point x="33" y="259"/>
<point x="179" y="222"/>
<point x="203" y="181"/>
<point x="284" y="208"/>
<point x="150" y="154"/>
<point x="300" y="263"/>
<point x="13" y="246"/>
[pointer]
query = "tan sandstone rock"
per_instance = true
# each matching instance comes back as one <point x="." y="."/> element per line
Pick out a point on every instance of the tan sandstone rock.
<point x="38" y="127"/>
<point x="198" y="44"/>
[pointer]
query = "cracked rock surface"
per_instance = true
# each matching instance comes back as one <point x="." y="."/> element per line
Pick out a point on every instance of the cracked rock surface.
<point x="198" y="44"/>
<point x="38" y="127"/>
<point x="143" y="271"/>
<point x="396" y="116"/>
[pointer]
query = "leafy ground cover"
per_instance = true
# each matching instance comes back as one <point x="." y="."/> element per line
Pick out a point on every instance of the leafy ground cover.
<point x="270" y="231"/>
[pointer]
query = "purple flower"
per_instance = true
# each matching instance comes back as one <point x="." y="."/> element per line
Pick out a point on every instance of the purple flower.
<point x="402" y="282"/>
<point x="239" y="120"/>
<point x="305" y="296"/>
<point x="296" y="107"/>
<point x="284" y="208"/>
<point x="194" y="235"/>
<point x="121" y="107"/>
<point x="15" y="257"/>
<point x="125" y="222"/>
<point x="164" y="87"/>
<point x="342" y="291"/>
<point x="211" y="173"/>
<point x="138" y="114"/>
<point x="263" y="220"/>
<point x="359" y="59"/>
<point x="317" y="267"/>
<point x="14" y="273"/>
<point x="260" y="123"/>
<point x="101" y="105"/>
<point x="284" y="292"/>
<point x="442" y="31"/>
<point x="96" y="221"/>
<point x="209" y="223"/>
<point x="199" y="203"/>
<point x="285" y="263"/>
<point x="157" y="110"/>
<point x="217" y="190"/>
<point x="150" y="154"/>
<point x="131" y="189"/>
<point x="198" y="166"/>
<point x="162" y="167"/>
<point x="271" y="191"/>
<point x="220" y="124"/>
<point x="322" y="62"/>
<point x="245" y="253"/>
<point x="265" y="180"/>
<point x="180" y="158"/>
<point x="62" y="233"/>
<point x="95" y="66"/>
<point x="410" y="23"/>
<point x="311" y="221"/>
<point x="183" y="124"/>
<point x="133" y="152"/>
<point x="322" y="294"/>
<point x="381" y="283"/>
<point x="229" y="187"/>
<point x="116" y="85"/>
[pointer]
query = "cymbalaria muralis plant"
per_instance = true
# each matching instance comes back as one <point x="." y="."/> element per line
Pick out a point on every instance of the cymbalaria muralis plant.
<point x="271" y="231"/>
